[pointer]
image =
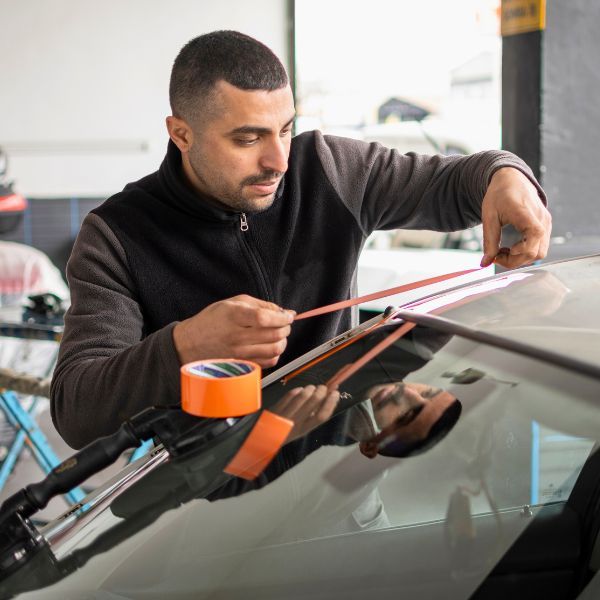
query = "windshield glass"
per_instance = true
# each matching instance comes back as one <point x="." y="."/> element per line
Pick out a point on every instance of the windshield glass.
<point x="554" y="307"/>
<point x="440" y="455"/>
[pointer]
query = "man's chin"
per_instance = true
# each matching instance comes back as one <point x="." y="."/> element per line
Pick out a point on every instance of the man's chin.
<point x="257" y="203"/>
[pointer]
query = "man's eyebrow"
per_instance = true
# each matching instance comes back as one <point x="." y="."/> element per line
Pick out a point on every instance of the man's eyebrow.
<point x="253" y="129"/>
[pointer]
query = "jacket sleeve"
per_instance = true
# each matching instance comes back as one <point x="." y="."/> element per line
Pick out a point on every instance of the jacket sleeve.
<point x="107" y="370"/>
<point x="385" y="189"/>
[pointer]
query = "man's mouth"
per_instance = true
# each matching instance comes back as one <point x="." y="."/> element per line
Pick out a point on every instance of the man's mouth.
<point x="266" y="187"/>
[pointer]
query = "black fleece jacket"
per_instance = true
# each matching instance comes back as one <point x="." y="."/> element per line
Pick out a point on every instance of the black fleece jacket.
<point x="157" y="253"/>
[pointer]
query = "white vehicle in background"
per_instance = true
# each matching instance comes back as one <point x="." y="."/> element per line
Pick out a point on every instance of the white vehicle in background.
<point x="431" y="135"/>
<point x="409" y="127"/>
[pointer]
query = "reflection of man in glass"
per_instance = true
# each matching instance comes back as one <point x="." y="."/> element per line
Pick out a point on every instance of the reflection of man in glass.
<point x="410" y="418"/>
<point x="345" y="416"/>
<point x="393" y="401"/>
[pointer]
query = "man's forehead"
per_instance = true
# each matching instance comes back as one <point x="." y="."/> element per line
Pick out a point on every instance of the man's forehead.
<point x="261" y="108"/>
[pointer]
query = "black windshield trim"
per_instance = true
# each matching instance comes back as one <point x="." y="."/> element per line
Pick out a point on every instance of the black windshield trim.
<point x="490" y="339"/>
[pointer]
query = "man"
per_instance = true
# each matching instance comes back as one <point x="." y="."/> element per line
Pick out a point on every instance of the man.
<point x="210" y="256"/>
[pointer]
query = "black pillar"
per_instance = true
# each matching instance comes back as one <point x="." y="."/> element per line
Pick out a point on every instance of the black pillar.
<point x="551" y="117"/>
<point x="521" y="96"/>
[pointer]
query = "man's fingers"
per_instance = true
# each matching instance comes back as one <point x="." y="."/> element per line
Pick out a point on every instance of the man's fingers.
<point x="512" y="199"/>
<point x="308" y="407"/>
<point x="510" y="260"/>
<point x="528" y="248"/>
<point x="301" y="402"/>
<point x="256" y="302"/>
<point x="246" y="315"/>
<point x="492" y="232"/>
<point x="248" y="336"/>
<point x="320" y="404"/>
<point x="328" y="406"/>
<point x="239" y="327"/>
<point x="308" y="402"/>
<point x="261" y="351"/>
<point x="533" y="246"/>
<point x="286" y="407"/>
<point x="543" y="232"/>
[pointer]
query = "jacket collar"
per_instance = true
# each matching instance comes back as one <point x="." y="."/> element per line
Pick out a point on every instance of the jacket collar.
<point x="179" y="195"/>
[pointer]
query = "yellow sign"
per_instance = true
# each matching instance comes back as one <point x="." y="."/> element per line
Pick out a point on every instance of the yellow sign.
<point x="522" y="16"/>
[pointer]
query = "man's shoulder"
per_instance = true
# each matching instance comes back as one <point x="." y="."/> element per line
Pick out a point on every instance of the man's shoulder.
<point x="316" y="136"/>
<point x="323" y="146"/>
<point x="133" y="194"/>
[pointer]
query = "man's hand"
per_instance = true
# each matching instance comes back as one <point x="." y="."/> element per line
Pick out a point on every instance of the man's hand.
<point x="308" y="407"/>
<point x="511" y="199"/>
<point x="240" y="327"/>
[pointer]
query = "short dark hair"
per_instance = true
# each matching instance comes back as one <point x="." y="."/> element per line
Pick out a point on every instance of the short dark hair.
<point x="230" y="56"/>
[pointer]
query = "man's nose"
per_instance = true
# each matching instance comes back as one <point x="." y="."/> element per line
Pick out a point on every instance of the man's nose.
<point x="275" y="156"/>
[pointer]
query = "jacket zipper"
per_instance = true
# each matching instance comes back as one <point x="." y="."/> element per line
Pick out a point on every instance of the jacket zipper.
<point x="262" y="278"/>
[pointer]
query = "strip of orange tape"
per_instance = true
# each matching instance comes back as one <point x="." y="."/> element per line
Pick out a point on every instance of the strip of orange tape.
<point x="348" y="370"/>
<point x="260" y="447"/>
<point x="220" y="388"/>
<point x="382" y="294"/>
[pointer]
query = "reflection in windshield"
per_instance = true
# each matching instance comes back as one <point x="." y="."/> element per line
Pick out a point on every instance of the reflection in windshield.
<point x="411" y="417"/>
<point x="353" y="419"/>
<point x="523" y="298"/>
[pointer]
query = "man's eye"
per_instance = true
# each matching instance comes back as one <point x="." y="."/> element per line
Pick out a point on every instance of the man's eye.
<point x="285" y="131"/>
<point x="246" y="141"/>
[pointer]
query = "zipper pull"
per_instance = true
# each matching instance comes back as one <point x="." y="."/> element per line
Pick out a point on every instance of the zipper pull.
<point x="243" y="222"/>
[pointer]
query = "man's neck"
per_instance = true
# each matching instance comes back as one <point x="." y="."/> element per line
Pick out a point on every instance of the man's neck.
<point x="193" y="183"/>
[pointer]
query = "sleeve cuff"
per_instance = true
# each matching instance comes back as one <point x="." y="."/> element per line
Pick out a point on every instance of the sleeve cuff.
<point x="169" y="358"/>
<point x="510" y="160"/>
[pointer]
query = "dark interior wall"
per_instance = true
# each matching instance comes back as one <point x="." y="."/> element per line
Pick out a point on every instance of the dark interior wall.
<point x="51" y="225"/>
<point x="571" y="115"/>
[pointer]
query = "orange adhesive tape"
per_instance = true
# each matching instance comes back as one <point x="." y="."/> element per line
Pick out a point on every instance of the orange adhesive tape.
<point x="260" y="447"/>
<point x="220" y="388"/>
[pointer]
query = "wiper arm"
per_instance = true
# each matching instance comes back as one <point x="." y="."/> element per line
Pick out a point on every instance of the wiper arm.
<point x="183" y="436"/>
<point x="43" y="569"/>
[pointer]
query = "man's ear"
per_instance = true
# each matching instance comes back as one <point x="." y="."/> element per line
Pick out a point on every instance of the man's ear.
<point x="180" y="132"/>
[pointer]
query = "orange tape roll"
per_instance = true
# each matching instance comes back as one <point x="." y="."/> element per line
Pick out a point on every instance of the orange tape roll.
<point x="220" y="388"/>
<point x="260" y="447"/>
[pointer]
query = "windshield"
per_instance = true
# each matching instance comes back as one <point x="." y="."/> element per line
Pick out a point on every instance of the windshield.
<point x="440" y="455"/>
<point x="554" y="307"/>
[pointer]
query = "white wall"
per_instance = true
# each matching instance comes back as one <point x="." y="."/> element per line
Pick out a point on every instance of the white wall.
<point x="84" y="83"/>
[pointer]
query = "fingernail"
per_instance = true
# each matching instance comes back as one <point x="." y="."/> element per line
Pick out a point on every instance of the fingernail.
<point x="485" y="261"/>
